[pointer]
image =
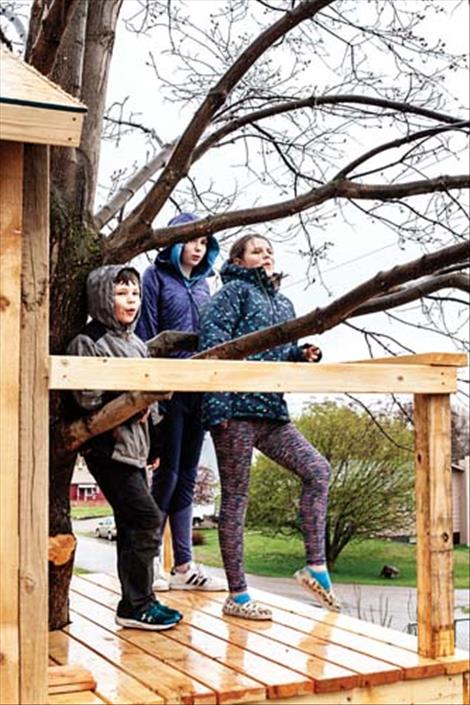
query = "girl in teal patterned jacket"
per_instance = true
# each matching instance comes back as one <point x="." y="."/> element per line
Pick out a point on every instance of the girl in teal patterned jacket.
<point x="250" y="300"/>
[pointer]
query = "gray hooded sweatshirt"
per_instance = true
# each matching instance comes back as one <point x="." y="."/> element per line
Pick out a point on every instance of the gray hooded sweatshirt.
<point x="104" y="336"/>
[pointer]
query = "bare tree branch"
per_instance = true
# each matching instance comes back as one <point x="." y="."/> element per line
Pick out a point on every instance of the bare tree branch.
<point x="141" y="177"/>
<point x="141" y="217"/>
<point x="416" y="291"/>
<point x="160" y="160"/>
<point x="124" y="248"/>
<point x="72" y="436"/>
<point x="398" y="143"/>
<point x="377" y="423"/>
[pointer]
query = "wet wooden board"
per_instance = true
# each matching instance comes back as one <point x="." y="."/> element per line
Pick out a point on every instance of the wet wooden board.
<point x="305" y="655"/>
<point x="325" y="676"/>
<point x="136" y="651"/>
<point x="458" y="663"/>
<point x="87" y="697"/>
<point x="369" y="669"/>
<point x="113" y="685"/>
<point x="395" y="647"/>
<point x="69" y="678"/>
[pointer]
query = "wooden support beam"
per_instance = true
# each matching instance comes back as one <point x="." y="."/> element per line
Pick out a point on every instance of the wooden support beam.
<point x="434" y="525"/>
<point x="34" y="427"/>
<point x="437" y="359"/>
<point x="244" y="375"/>
<point x="167" y="549"/>
<point x="11" y="192"/>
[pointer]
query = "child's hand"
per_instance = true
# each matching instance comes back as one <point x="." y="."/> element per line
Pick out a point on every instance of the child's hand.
<point x="154" y="464"/>
<point x="145" y="415"/>
<point x="312" y="353"/>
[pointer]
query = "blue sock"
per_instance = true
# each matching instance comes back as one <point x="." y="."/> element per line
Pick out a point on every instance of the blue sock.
<point x="241" y="599"/>
<point x="321" y="576"/>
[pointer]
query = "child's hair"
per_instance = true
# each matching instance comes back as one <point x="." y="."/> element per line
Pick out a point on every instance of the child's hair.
<point x="239" y="246"/>
<point x="127" y="275"/>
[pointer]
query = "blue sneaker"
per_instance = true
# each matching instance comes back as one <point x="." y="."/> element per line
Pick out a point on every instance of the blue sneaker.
<point x="155" y="617"/>
<point x="176" y="614"/>
<point x="318" y="584"/>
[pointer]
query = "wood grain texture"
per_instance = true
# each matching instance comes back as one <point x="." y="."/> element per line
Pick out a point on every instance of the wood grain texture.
<point x="434" y="555"/>
<point x="71" y="678"/>
<point x="34" y="426"/>
<point x="11" y="213"/>
<point x="437" y="359"/>
<point x="87" y="697"/>
<point x="244" y="376"/>
<point x="34" y="109"/>
<point x="38" y="125"/>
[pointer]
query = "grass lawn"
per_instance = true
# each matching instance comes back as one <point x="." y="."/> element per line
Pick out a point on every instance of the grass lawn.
<point x="90" y="511"/>
<point x="360" y="562"/>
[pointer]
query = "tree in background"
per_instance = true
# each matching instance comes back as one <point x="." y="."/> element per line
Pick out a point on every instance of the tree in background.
<point x="205" y="489"/>
<point x="331" y="107"/>
<point x="372" y="480"/>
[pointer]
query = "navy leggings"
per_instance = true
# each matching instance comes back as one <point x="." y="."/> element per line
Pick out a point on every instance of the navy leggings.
<point x="284" y="444"/>
<point x="173" y="482"/>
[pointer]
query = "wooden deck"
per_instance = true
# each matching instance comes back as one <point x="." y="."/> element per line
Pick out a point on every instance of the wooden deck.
<point x="305" y="655"/>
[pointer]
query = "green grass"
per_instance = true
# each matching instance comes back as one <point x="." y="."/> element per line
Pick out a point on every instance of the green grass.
<point x="84" y="511"/>
<point x="360" y="562"/>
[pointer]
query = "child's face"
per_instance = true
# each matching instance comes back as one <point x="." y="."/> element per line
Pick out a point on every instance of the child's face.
<point x="126" y="302"/>
<point x="258" y="253"/>
<point x="193" y="252"/>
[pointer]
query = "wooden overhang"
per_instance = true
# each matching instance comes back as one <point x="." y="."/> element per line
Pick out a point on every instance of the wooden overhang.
<point x="33" y="109"/>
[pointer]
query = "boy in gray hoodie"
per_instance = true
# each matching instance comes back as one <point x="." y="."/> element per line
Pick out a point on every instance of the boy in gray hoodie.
<point x="117" y="459"/>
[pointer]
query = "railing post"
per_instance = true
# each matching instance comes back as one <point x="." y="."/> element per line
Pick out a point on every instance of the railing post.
<point x="11" y="215"/>
<point x="434" y="525"/>
<point x="167" y="549"/>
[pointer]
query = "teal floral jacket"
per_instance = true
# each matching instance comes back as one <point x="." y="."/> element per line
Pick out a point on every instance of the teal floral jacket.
<point x="248" y="301"/>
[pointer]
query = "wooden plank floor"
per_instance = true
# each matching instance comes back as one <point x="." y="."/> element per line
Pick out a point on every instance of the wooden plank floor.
<point x="213" y="659"/>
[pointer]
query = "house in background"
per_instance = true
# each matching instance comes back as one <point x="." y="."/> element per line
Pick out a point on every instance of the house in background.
<point x="461" y="501"/>
<point x="83" y="487"/>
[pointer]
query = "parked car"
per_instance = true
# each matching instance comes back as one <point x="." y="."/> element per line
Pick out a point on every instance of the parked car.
<point x="106" y="529"/>
<point x="202" y="512"/>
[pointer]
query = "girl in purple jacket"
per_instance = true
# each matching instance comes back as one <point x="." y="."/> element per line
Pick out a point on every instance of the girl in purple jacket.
<point x="174" y="289"/>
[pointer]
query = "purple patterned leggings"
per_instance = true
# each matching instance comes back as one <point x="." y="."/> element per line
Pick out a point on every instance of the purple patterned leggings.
<point x="284" y="444"/>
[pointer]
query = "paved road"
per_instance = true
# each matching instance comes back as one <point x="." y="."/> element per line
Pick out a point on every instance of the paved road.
<point x="390" y="605"/>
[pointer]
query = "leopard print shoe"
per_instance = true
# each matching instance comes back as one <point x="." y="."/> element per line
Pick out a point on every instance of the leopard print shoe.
<point x="247" y="610"/>
<point x="326" y="598"/>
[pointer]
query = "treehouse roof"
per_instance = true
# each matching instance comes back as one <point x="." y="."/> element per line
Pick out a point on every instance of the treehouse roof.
<point x="33" y="109"/>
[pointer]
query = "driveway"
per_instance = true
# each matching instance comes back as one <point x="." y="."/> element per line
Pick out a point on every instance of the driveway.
<point x="388" y="605"/>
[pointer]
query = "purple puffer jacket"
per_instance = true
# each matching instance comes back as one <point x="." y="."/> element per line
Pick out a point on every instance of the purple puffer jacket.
<point x="170" y="301"/>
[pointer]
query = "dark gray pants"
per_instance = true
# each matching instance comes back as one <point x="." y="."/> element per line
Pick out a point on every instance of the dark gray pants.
<point x="138" y="522"/>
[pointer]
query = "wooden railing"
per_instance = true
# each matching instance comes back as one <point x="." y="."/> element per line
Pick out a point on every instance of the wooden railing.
<point x="431" y="378"/>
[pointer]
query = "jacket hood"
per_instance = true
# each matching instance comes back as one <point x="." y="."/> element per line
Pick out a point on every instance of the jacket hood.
<point x="171" y="255"/>
<point x="100" y="296"/>
<point x="254" y="275"/>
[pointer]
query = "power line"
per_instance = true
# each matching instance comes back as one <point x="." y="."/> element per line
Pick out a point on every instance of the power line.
<point x="343" y="264"/>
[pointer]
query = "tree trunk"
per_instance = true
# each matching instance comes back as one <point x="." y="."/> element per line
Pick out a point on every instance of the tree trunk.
<point x="75" y="250"/>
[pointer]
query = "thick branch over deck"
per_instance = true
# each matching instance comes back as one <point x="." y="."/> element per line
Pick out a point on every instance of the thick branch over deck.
<point x="245" y="376"/>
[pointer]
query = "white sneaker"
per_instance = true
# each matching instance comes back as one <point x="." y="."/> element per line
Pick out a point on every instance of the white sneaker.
<point x="160" y="583"/>
<point x="196" y="578"/>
